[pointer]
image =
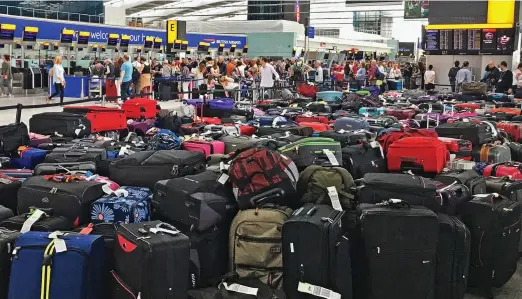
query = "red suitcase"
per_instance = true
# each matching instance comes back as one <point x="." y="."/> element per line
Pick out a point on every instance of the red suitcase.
<point x="512" y="170"/>
<point x="400" y="113"/>
<point x="307" y="90"/>
<point x="102" y="118"/>
<point x="317" y="127"/>
<point x="468" y="106"/>
<point x="140" y="108"/>
<point x="208" y="120"/>
<point x="459" y="147"/>
<point x="245" y="130"/>
<point x="424" y="154"/>
<point x="388" y="138"/>
<point x="513" y="129"/>
<point x="314" y="119"/>
<point x="111" y="91"/>
<point x="509" y="111"/>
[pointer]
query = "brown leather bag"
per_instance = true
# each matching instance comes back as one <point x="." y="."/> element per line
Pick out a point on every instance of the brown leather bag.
<point x="474" y="88"/>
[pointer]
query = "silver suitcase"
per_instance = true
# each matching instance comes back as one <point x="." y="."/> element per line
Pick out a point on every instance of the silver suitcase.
<point x="495" y="153"/>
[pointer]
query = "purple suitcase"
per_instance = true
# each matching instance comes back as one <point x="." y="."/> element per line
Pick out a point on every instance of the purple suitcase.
<point x="424" y="99"/>
<point x="37" y="139"/>
<point x="140" y="127"/>
<point x="222" y="104"/>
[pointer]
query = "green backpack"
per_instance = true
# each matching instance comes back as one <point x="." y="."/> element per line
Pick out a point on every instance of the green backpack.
<point x="314" y="181"/>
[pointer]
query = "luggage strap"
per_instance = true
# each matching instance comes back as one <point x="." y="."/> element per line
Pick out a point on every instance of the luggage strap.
<point x="46" y="270"/>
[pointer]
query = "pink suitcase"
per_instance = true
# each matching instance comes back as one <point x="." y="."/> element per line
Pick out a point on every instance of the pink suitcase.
<point x="37" y="139"/>
<point x="206" y="147"/>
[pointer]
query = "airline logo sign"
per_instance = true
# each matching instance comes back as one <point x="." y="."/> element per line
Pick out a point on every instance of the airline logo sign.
<point x="222" y="41"/>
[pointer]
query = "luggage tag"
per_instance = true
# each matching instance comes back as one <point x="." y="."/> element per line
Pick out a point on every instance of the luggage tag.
<point x="341" y="131"/>
<point x="317" y="291"/>
<point x="284" y="111"/>
<point x="123" y="150"/>
<point x="80" y="128"/>
<point x="375" y="144"/>
<point x="59" y="244"/>
<point x="239" y="288"/>
<point x="331" y="157"/>
<point x="334" y="197"/>
<point x="37" y="214"/>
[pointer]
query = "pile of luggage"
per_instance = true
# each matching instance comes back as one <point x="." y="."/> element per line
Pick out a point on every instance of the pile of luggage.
<point x="348" y="195"/>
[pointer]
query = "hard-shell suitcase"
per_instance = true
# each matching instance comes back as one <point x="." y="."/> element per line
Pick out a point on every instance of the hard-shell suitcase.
<point x="516" y="151"/>
<point x="513" y="129"/>
<point x="422" y="154"/>
<point x="128" y="205"/>
<point x="102" y="119"/>
<point x="477" y="133"/>
<point x="42" y="268"/>
<point x="139" y="108"/>
<point x="459" y="147"/>
<point x="494" y="224"/>
<point x="206" y="147"/>
<point x="13" y="136"/>
<point x="389" y="245"/>
<point x="330" y="266"/>
<point x="470" y="178"/>
<point x="314" y="150"/>
<point x="7" y="243"/>
<point x="317" y="127"/>
<point x="151" y="261"/>
<point x="453" y="250"/>
<point x="29" y="158"/>
<point x="512" y="170"/>
<point x="371" y="111"/>
<point x="347" y="138"/>
<point x="495" y="153"/>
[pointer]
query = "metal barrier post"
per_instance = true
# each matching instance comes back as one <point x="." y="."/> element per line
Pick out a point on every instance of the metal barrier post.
<point x="19" y="108"/>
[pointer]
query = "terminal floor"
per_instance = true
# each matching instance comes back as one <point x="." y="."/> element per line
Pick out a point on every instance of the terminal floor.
<point x="511" y="290"/>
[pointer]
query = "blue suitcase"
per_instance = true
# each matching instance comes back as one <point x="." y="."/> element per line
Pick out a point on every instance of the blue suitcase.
<point x="29" y="159"/>
<point x="351" y="124"/>
<point x="331" y="97"/>
<point x="75" y="273"/>
<point x="371" y="111"/>
<point x="133" y="208"/>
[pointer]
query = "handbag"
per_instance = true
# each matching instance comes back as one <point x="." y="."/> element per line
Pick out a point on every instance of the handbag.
<point x="474" y="88"/>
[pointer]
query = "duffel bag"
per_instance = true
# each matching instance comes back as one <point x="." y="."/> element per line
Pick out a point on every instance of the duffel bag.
<point x="474" y="88"/>
<point x="314" y="150"/>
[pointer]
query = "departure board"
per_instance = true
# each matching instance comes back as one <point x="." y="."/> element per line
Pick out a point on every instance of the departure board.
<point x="459" y="41"/>
<point x="432" y="40"/>
<point x="468" y="41"/>
<point x="474" y="39"/>
<point x="446" y="41"/>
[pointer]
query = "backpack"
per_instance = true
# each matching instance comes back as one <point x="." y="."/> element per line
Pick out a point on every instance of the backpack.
<point x="256" y="244"/>
<point x="135" y="75"/>
<point x="314" y="182"/>
<point x="260" y="175"/>
<point x="453" y="72"/>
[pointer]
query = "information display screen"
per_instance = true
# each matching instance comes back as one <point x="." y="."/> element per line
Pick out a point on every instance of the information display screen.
<point x="488" y="42"/>
<point x="112" y="42"/>
<point x="66" y="38"/>
<point x="124" y="43"/>
<point x="148" y="43"/>
<point x="203" y="47"/>
<point x="184" y="46"/>
<point x="83" y="39"/>
<point x="446" y="41"/>
<point x="468" y="41"/>
<point x="432" y="40"/>
<point x="29" y="35"/>
<point x="157" y="43"/>
<point x="6" y="32"/>
<point x="459" y="41"/>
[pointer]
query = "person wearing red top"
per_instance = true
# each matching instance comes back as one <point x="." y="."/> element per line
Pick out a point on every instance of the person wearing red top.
<point x="355" y="68"/>
<point x="372" y="73"/>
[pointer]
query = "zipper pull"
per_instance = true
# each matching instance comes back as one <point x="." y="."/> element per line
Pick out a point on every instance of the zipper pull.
<point x="53" y="190"/>
<point x="301" y="271"/>
<point x="15" y="251"/>
<point x="139" y="296"/>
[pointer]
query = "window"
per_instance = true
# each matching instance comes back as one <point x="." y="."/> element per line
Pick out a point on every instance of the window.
<point x="327" y="32"/>
<point x="367" y="21"/>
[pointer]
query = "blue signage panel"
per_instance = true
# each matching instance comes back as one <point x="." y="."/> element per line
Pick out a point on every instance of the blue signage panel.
<point x="51" y="29"/>
<point x="311" y="32"/>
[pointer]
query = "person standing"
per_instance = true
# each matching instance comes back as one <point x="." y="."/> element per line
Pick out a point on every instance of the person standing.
<point x="145" y="77"/>
<point x="429" y="78"/>
<point x="452" y="76"/>
<point x="318" y="73"/>
<point x="422" y="70"/>
<point x="7" y="76"/>
<point x="517" y="82"/>
<point x="408" y="73"/>
<point x="58" y="74"/>
<point x="267" y="75"/>
<point x="463" y="76"/>
<point x="360" y="76"/>
<point x="126" y="78"/>
<point x="505" y="80"/>
<point x="372" y="73"/>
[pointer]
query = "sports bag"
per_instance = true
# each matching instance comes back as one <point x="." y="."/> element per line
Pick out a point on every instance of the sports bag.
<point x="259" y="174"/>
<point x="316" y="182"/>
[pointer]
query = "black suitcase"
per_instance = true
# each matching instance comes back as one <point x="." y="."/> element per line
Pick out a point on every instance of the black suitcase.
<point x="399" y="242"/>
<point x="46" y="223"/>
<point x="360" y="160"/>
<point x="165" y="91"/>
<point x="71" y="200"/>
<point x="452" y="196"/>
<point x="76" y="153"/>
<point x="151" y="261"/>
<point x="327" y="265"/>
<point x="55" y="168"/>
<point x="198" y="201"/>
<point x="516" y="151"/>
<point x="477" y="133"/>
<point x="145" y="169"/>
<point x="472" y="97"/>
<point x="12" y="136"/>
<point x="9" y="192"/>
<point x="7" y="244"/>
<point x="416" y="190"/>
<point x="234" y="291"/>
<point x="470" y="178"/>
<point x="347" y="138"/>
<point x="494" y="224"/>
<point x="452" y="258"/>
<point x="62" y="123"/>
<point x="301" y="131"/>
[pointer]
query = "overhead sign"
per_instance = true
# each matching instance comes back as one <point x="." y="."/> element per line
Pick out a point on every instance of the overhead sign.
<point x="30" y="34"/>
<point x="7" y="32"/>
<point x="310" y="32"/>
<point x="83" y="38"/>
<point x="172" y="31"/>
<point x="416" y="9"/>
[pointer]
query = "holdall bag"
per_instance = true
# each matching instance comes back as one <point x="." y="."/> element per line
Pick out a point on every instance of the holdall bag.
<point x="7" y="242"/>
<point x="461" y="148"/>
<point x="349" y="123"/>
<point x="101" y="118"/>
<point x="316" y="127"/>
<point x="415" y="190"/>
<point x="75" y="154"/>
<point x="512" y="170"/>
<point x="423" y="154"/>
<point x="153" y="267"/>
<point x="360" y="160"/>
<point x="347" y="138"/>
<point x="513" y="129"/>
<point x="388" y="138"/>
<point x="474" y="88"/>
<point x="255" y="248"/>
<point x="71" y="199"/>
<point x="196" y="201"/>
<point x="56" y="168"/>
<point x="140" y="108"/>
<point x="316" y="118"/>
<point x="234" y="143"/>
<point x="73" y="271"/>
<point x="9" y="187"/>
<point x="60" y="123"/>
<point x="388" y="242"/>
<point x="469" y="178"/>
<point x="453" y="252"/>
<point x="400" y="113"/>
<point x="330" y="269"/>
<point x="477" y="133"/>
<point x="236" y="288"/>
<point x="126" y="205"/>
<point x="494" y="224"/>
<point x="45" y="221"/>
<point x="13" y="136"/>
<point x="495" y="153"/>
<point x="206" y="147"/>
<point x="314" y="150"/>
<point x="261" y="175"/>
<point x="29" y="158"/>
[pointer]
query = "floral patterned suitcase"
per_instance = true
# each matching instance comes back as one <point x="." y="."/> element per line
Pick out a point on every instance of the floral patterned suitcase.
<point x="126" y="205"/>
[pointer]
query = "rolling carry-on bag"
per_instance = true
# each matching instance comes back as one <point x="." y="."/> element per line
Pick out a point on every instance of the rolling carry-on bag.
<point x="347" y="138"/>
<point x="139" y="108"/>
<point x="151" y="261"/>
<point x="50" y="265"/>
<point x="360" y="160"/>
<point x="9" y="192"/>
<point x="388" y="242"/>
<point x="453" y="251"/>
<point x="469" y="178"/>
<point x="495" y="153"/>
<point x="128" y="205"/>
<point x="13" y="136"/>
<point x="7" y="243"/>
<point x="516" y="151"/>
<point x="330" y="268"/>
<point x="75" y="154"/>
<point x="45" y="222"/>
<point x="477" y="133"/>
<point x="421" y="154"/>
<point x="234" y="143"/>
<point x="459" y="147"/>
<point x="314" y="150"/>
<point x="206" y="147"/>
<point x="494" y="224"/>
<point x="60" y="123"/>
<point x="29" y="158"/>
<point x="513" y="129"/>
<point x="55" y="168"/>
<point x="102" y="119"/>
<point x="512" y="170"/>
<point x="452" y="196"/>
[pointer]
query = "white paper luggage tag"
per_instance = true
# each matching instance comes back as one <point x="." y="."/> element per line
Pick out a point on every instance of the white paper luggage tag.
<point x="223" y="178"/>
<point x="59" y="244"/>
<point x="239" y="288"/>
<point x="317" y="291"/>
<point x="331" y="157"/>
<point x="334" y="197"/>
<point x="37" y="214"/>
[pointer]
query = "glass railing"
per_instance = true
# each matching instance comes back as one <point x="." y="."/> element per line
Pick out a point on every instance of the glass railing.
<point x="48" y="14"/>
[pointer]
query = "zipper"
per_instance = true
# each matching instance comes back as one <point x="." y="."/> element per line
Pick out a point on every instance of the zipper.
<point x="257" y="240"/>
<point x="149" y="275"/>
<point x="123" y="284"/>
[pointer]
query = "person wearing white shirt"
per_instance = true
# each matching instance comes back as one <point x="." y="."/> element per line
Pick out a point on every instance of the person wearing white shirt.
<point x="267" y="74"/>
<point x="517" y="82"/>
<point x="58" y="74"/>
<point x="318" y="73"/>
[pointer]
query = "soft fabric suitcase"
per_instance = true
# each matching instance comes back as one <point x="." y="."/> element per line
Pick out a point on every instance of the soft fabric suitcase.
<point x="71" y="200"/>
<point x="453" y="252"/>
<point x="9" y="187"/>
<point x="237" y="288"/>
<point x="452" y="196"/>
<point x="329" y="96"/>
<point x="196" y="201"/>
<point x="128" y="205"/>
<point x="371" y="111"/>
<point x="421" y="154"/>
<point x="317" y="127"/>
<point x="459" y="147"/>
<point x="331" y="266"/>
<point x="495" y="153"/>
<point x="301" y="131"/>
<point x="510" y="111"/>
<point x="37" y="139"/>
<point x="400" y="113"/>
<point x="221" y="104"/>
<point x="477" y="133"/>
<point x="206" y="147"/>
<point x="316" y="119"/>
<point x="470" y="178"/>
<point x="512" y="170"/>
<point x="76" y="153"/>
<point x="513" y="129"/>
<point x="45" y="223"/>
<point x="314" y="150"/>
<point x="477" y="97"/>
<point x="499" y="97"/>
<point x="60" y="123"/>
<point x="348" y="123"/>
<point x="7" y="243"/>
<point x="151" y="261"/>
<point x="516" y="151"/>
<point x="494" y="224"/>
<point x="415" y="190"/>
<point x="234" y="143"/>
<point x="139" y="108"/>
<point x="29" y="158"/>
<point x="144" y="169"/>
<point x="55" y="168"/>
<point x="398" y="261"/>
<point x="360" y="160"/>
<point x="13" y="136"/>
<point x="17" y="173"/>
<point x="347" y="138"/>
<point x="43" y="269"/>
<point x="102" y="119"/>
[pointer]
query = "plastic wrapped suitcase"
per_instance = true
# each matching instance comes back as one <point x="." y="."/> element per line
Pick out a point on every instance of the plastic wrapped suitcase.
<point x="140" y="108"/>
<point x="329" y="96"/>
<point x="495" y="153"/>
<point x="420" y="154"/>
<point x="101" y="118"/>
<point x="62" y="123"/>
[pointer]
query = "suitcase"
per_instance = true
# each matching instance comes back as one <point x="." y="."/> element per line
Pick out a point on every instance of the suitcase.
<point x="13" y="136"/>
<point x="316" y="119"/>
<point x="453" y="252"/>
<point x="468" y="106"/>
<point x="516" y="151"/>
<point x="459" y="147"/>
<point x="494" y="224"/>
<point x="512" y="170"/>
<point x="7" y="243"/>
<point x="317" y="127"/>
<point x="29" y="158"/>
<point x="331" y="266"/>
<point x="208" y="121"/>
<point x="9" y="187"/>
<point x="470" y="178"/>
<point x="499" y="97"/>
<point x="235" y="143"/>
<point x="144" y="169"/>
<point x="495" y="153"/>
<point x="75" y="154"/>
<point x="55" y="168"/>
<point x="432" y="108"/>
<point x="221" y="104"/>
<point x="301" y="131"/>
<point x="400" y="113"/>
<point x="46" y="223"/>
<point x="60" y="123"/>
<point x="237" y="288"/>
<point x="371" y="111"/>
<point x="347" y="138"/>
<point x="349" y="123"/>
<point x="196" y="201"/>
<point x="513" y="129"/>
<point x="206" y="147"/>
<point x="471" y="97"/>
<point x="420" y="154"/>
<point x="461" y="164"/>
<point x="477" y="133"/>
<point x="311" y="150"/>
<point x="17" y="173"/>
<point x="329" y="96"/>
<point x="507" y="110"/>
<point x="452" y="196"/>
<point x="151" y="261"/>
<point x="75" y="273"/>
<point x="139" y="108"/>
<point x="360" y="160"/>
<point x="37" y="139"/>
<point x="102" y="119"/>
<point x="415" y="190"/>
<point x="387" y="242"/>
<point x="128" y="205"/>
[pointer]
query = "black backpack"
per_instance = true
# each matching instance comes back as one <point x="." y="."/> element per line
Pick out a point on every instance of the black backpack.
<point x="453" y="72"/>
<point x="135" y="75"/>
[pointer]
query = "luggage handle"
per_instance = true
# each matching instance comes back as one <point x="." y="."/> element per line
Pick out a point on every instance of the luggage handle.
<point x="395" y="203"/>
